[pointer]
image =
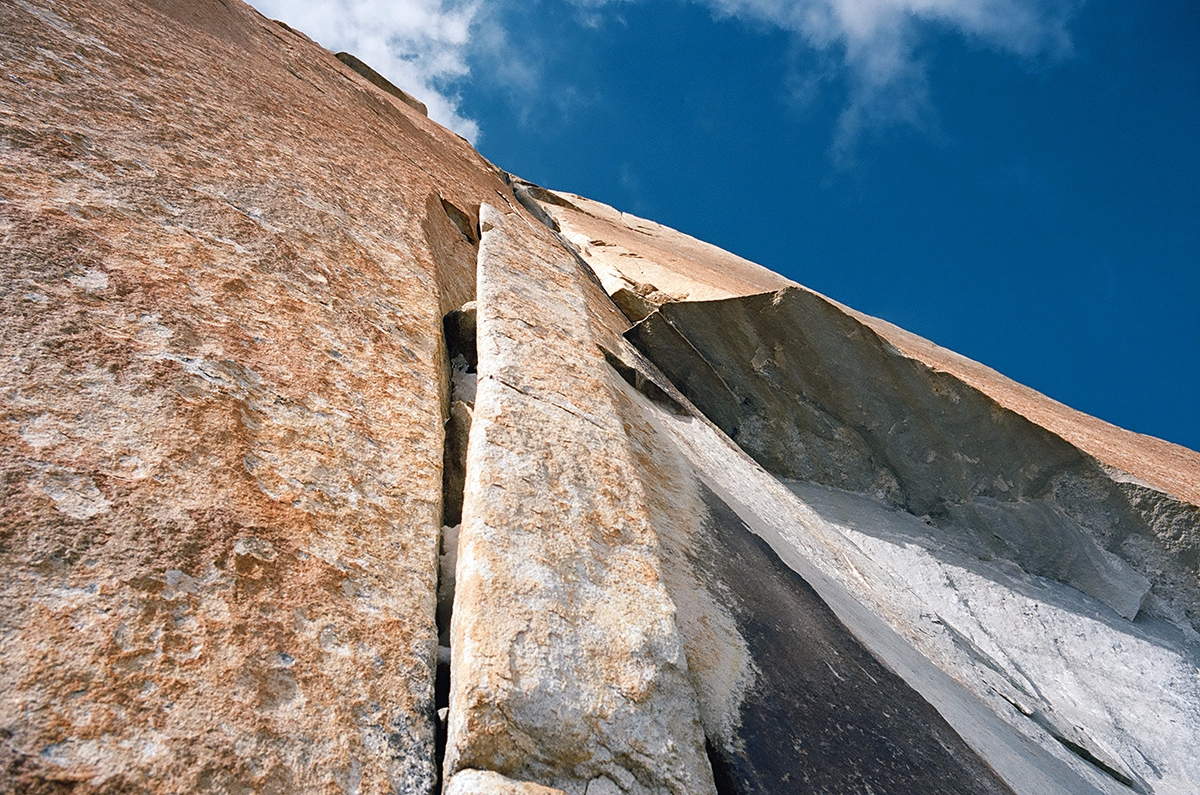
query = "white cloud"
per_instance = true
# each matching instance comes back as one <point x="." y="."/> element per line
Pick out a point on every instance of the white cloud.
<point x="873" y="46"/>
<point x="877" y="41"/>
<point x="420" y="45"/>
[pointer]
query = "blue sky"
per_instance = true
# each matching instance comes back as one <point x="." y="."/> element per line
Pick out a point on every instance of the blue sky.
<point x="1018" y="180"/>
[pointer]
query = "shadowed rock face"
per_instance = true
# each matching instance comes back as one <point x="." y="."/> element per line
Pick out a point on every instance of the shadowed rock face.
<point x="817" y="396"/>
<point x="823" y="715"/>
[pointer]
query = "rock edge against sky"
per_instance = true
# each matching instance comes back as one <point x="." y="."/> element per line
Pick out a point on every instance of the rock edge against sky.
<point x="336" y="459"/>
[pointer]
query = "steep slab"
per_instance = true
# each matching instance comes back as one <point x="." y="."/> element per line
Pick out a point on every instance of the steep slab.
<point x="226" y="257"/>
<point x="1053" y="687"/>
<point x="791" y="700"/>
<point x="567" y="665"/>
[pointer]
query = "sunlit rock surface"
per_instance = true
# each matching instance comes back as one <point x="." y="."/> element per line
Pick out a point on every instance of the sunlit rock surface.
<point x="290" y="506"/>
<point x="567" y="663"/>
<point x="225" y="261"/>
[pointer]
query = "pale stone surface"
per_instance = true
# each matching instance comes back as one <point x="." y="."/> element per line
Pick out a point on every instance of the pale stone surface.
<point x="567" y="662"/>
<point x="225" y="262"/>
<point x="484" y="782"/>
<point x="1015" y="663"/>
<point x="790" y="700"/>
<point x="815" y="395"/>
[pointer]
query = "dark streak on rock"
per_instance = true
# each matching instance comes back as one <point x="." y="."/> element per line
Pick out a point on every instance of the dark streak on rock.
<point x="824" y="716"/>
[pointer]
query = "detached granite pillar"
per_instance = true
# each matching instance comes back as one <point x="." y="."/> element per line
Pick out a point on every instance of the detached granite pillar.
<point x="568" y="669"/>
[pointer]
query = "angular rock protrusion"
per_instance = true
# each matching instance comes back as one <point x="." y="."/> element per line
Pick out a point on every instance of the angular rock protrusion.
<point x="530" y="197"/>
<point x="815" y="395"/>
<point x="656" y="337"/>
<point x="379" y="81"/>
<point x="568" y="668"/>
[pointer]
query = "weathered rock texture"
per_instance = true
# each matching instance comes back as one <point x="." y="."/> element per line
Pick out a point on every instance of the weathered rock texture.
<point x="248" y="392"/>
<point x="567" y="664"/>
<point x="225" y="262"/>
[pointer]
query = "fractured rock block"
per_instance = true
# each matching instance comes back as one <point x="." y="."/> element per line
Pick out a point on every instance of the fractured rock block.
<point x="567" y="662"/>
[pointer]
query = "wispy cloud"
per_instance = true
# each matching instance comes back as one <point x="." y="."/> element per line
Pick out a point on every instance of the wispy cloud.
<point x="420" y="45"/>
<point x="872" y="47"/>
<point x="877" y="44"/>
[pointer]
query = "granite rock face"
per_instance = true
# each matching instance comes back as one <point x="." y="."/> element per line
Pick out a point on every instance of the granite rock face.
<point x="974" y="519"/>
<point x="225" y="260"/>
<point x="791" y="700"/>
<point x="567" y="663"/>
<point x="814" y="395"/>
<point x="333" y="461"/>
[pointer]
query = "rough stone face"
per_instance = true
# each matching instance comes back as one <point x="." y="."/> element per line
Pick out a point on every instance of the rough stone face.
<point x="568" y="668"/>
<point x="791" y="701"/>
<point x="1139" y="497"/>
<point x="987" y="643"/>
<point x="483" y="782"/>
<point x="221" y="404"/>
<point x="987" y="646"/>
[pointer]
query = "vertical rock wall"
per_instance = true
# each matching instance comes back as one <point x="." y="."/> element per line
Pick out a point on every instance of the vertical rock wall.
<point x="225" y="260"/>
<point x="225" y="417"/>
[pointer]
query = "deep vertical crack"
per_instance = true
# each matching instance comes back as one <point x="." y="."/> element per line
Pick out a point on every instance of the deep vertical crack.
<point x="459" y="328"/>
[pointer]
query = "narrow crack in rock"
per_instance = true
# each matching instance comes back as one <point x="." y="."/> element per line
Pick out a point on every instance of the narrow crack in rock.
<point x="459" y="329"/>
